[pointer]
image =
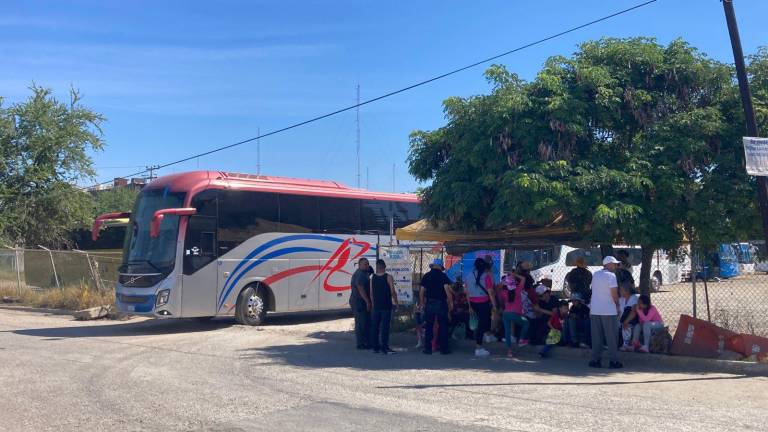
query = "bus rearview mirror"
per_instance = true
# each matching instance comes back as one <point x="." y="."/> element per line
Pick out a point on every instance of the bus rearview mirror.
<point x="157" y="218"/>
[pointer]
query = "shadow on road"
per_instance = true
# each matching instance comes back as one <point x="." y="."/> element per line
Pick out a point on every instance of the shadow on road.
<point x="336" y="350"/>
<point x="170" y="326"/>
<point x="578" y="384"/>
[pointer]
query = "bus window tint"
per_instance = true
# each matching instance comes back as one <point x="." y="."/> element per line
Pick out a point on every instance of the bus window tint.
<point x="206" y="203"/>
<point x="405" y="213"/>
<point x="375" y="215"/>
<point x="243" y="215"/>
<point x="340" y="215"/>
<point x="593" y="257"/>
<point x="298" y="214"/>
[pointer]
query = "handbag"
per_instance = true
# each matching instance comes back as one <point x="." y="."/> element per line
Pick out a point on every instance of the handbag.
<point x="473" y="323"/>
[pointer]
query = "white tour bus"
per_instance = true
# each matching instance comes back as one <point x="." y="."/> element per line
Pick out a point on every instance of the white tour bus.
<point x="555" y="262"/>
<point x="206" y="243"/>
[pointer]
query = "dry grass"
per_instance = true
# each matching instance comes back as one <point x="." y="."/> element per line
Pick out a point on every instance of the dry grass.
<point x="67" y="298"/>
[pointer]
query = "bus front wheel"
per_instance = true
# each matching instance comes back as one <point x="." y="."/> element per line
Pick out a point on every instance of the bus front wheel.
<point x="251" y="306"/>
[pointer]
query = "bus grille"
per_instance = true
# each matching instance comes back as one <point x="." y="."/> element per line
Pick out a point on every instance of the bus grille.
<point x="139" y="281"/>
<point x="132" y="299"/>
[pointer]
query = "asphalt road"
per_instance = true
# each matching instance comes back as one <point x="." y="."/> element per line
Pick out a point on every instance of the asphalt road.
<point x="300" y="373"/>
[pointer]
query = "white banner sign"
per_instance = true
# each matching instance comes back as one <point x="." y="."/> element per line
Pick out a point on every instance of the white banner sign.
<point x="399" y="266"/>
<point x="756" y="155"/>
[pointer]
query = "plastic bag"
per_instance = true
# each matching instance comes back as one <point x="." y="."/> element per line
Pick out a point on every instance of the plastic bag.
<point x="553" y="338"/>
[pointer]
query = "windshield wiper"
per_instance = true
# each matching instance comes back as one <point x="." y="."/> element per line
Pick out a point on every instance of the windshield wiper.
<point x="153" y="265"/>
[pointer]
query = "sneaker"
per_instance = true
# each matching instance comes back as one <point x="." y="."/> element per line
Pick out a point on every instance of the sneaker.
<point x="388" y="351"/>
<point x="523" y="343"/>
<point x="644" y="349"/>
<point x="636" y="344"/>
<point x="595" y="364"/>
<point x="490" y="338"/>
<point x="510" y="354"/>
<point x="615" y="365"/>
<point x="583" y="345"/>
<point x="481" y="352"/>
<point x="418" y="344"/>
<point x="626" y="348"/>
<point x="512" y="339"/>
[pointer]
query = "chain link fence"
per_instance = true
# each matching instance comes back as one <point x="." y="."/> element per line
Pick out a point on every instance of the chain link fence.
<point x="41" y="270"/>
<point x="729" y="290"/>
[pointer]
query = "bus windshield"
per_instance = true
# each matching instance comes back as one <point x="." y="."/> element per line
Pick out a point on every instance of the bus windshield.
<point x="145" y="254"/>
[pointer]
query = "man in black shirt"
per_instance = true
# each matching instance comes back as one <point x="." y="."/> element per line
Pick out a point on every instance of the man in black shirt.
<point x="623" y="272"/>
<point x="436" y="300"/>
<point x="360" y="302"/>
<point x="580" y="280"/>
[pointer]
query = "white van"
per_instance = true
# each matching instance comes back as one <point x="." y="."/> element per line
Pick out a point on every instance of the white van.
<point x="555" y="262"/>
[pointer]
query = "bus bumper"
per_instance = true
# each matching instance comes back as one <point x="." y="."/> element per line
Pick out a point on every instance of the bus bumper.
<point x="158" y="301"/>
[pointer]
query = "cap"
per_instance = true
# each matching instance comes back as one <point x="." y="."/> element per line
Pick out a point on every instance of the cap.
<point x="437" y="263"/>
<point x="610" y="260"/>
<point x="577" y="296"/>
<point x="541" y="289"/>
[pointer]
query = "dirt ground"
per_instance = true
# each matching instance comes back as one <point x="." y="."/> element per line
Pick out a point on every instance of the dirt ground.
<point x="303" y="373"/>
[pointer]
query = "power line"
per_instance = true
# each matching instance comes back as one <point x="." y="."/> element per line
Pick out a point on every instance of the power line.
<point x="402" y="90"/>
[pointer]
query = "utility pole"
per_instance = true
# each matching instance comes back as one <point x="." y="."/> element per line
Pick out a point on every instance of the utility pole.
<point x="152" y="169"/>
<point x="746" y="101"/>
<point x="393" y="178"/>
<point x="357" y="140"/>
<point x="258" y="151"/>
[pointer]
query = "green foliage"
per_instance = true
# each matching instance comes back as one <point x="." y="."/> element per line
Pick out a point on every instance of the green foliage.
<point x="44" y="144"/>
<point x="634" y="142"/>
<point x="114" y="200"/>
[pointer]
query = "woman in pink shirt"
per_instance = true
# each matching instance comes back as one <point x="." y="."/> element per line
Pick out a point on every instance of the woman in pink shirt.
<point x="649" y="322"/>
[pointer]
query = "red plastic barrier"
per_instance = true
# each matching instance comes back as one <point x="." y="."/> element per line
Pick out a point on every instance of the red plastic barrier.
<point x="748" y="345"/>
<point x="698" y="338"/>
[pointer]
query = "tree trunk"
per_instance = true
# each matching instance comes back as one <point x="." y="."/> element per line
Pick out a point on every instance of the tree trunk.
<point x="645" y="269"/>
<point x="606" y="250"/>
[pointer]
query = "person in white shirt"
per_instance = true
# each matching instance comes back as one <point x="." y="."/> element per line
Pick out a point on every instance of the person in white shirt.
<point x="604" y="314"/>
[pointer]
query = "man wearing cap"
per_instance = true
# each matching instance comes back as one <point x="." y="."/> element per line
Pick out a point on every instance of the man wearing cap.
<point x="604" y="312"/>
<point x="436" y="300"/>
<point x="544" y="306"/>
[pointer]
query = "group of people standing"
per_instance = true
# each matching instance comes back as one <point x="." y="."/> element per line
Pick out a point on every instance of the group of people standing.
<point x="372" y="300"/>
<point x="602" y="311"/>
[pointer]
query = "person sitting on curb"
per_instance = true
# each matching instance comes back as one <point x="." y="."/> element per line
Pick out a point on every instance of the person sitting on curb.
<point x="577" y="324"/>
<point x="627" y="303"/>
<point x="555" y="323"/>
<point x="649" y="322"/>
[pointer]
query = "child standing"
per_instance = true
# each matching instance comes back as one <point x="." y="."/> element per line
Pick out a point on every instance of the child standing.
<point x="555" y="328"/>
<point x="513" y="311"/>
<point x="649" y="321"/>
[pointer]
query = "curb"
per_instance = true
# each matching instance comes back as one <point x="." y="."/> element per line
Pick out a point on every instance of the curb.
<point x="671" y="361"/>
<point x="38" y="310"/>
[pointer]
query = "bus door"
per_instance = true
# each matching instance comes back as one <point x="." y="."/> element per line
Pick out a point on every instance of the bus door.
<point x="200" y="273"/>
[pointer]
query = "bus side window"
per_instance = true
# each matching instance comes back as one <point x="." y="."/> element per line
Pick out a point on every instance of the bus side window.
<point x="200" y="243"/>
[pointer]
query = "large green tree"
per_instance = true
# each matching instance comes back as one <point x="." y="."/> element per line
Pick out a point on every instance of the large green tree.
<point x="118" y="199"/>
<point x="44" y="152"/>
<point x="632" y="141"/>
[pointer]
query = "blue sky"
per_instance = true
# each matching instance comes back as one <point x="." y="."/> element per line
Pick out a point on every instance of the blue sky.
<point x="175" y="78"/>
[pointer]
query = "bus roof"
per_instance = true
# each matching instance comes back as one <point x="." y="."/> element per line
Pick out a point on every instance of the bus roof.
<point x="196" y="181"/>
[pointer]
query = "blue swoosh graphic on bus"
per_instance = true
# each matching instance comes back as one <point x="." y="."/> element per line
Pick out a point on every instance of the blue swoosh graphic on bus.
<point x="268" y="245"/>
<point x="273" y="254"/>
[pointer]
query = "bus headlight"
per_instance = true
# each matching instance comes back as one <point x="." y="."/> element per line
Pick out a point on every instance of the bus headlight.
<point x="162" y="297"/>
